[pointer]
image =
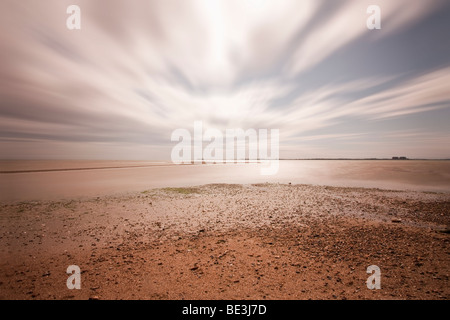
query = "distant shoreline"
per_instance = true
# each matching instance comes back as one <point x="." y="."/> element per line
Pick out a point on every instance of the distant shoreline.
<point x="169" y="163"/>
<point x="367" y="159"/>
<point x="78" y="169"/>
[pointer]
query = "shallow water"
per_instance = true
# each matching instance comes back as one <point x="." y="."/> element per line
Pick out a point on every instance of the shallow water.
<point x="52" y="180"/>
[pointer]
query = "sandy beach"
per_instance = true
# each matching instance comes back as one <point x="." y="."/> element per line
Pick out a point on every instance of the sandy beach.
<point x="229" y="241"/>
<point x="225" y="150"/>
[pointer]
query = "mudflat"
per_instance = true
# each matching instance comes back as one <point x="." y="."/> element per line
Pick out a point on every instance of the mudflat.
<point x="229" y="241"/>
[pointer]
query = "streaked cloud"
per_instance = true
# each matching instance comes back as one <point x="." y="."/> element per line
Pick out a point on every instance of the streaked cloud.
<point x="139" y="69"/>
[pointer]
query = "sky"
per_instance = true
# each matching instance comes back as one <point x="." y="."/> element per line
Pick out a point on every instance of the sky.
<point x="138" y="70"/>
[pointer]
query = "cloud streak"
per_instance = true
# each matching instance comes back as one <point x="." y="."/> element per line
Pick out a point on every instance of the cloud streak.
<point x="137" y="70"/>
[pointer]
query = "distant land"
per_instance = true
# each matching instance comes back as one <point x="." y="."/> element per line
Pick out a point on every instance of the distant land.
<point x="421" y="159"/>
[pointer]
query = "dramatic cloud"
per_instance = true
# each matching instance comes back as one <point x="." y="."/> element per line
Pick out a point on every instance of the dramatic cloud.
<point x="137" y="70"/>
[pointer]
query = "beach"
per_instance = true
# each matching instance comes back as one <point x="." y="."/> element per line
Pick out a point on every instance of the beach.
<point x="225" y="150"/>
<point x="228" y="241"/>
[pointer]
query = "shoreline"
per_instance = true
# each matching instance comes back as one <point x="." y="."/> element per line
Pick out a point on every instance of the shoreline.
<point x="229" y="241"/>
<point x="126" y="177"/>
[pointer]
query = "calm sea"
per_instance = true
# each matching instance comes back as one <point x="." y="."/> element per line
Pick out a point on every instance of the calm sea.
<point x="52" y="180"/>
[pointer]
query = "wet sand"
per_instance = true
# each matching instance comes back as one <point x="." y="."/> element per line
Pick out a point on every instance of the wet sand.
<point x="229" y="241"/>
